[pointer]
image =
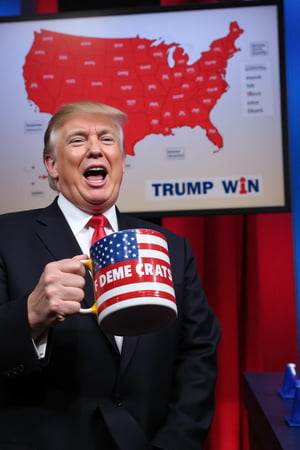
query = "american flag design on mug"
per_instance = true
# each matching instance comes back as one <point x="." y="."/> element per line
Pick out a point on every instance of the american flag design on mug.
<point x="132" y="268"/>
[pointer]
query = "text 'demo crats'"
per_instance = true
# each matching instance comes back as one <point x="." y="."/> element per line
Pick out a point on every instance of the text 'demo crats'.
<point x="134" y="271"/>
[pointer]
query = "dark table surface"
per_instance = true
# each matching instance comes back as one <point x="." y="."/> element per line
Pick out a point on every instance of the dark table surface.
<point x="268" y="429"/>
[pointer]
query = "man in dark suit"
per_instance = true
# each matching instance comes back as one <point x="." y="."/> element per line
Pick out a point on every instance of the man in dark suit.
<point x="65" y="383"/>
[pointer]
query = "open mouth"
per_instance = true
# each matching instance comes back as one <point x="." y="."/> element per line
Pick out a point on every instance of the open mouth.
<point x="95" y="173"/>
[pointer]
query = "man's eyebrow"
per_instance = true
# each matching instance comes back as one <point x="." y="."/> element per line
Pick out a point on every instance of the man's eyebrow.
<point x="81" y="131"/>
<point x="86" y="131"/>
<point x="106" y="131"/>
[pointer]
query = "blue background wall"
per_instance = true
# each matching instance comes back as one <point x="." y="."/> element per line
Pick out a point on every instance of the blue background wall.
<point x="10" y="7"/>
<point x="292" y="42"/>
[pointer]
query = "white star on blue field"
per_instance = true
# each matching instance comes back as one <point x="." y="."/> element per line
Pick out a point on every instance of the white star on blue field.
<point x="114" y="248"/>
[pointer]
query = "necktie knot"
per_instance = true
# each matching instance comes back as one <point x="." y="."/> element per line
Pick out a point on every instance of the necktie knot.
<point x="98" y="223"/>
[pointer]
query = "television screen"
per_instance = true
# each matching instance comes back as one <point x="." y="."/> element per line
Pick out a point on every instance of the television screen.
<point x="203" y="87"/>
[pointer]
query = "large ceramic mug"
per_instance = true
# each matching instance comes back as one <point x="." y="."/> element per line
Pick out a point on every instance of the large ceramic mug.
<point x="133" y="285"/>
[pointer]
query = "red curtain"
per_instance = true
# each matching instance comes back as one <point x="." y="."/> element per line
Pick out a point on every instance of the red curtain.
<point x="246" y="264"/>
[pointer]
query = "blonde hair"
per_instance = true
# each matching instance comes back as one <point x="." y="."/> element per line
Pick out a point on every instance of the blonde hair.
<point x="62" y="116"/>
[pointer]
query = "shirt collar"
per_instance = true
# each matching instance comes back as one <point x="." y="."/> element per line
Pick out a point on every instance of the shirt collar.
<point x="77" y="219"/>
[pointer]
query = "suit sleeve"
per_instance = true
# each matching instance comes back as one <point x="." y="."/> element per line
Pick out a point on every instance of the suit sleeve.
<point x="191" y="405"/>
<point x="18" y="356"/>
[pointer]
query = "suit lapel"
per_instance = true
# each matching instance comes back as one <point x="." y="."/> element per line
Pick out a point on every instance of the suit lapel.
<point x="55" y="233"/>
<point x="128" y="349"/>
<point x="129" y="342"/>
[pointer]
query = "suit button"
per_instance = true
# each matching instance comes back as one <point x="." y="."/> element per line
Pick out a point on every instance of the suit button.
<point x="119" y="402"/>
<point x="15" y="371"/>
<point x="20" y="368"/>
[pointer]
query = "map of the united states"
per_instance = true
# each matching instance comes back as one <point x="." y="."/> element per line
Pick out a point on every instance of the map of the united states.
<point x="153" y="82"/>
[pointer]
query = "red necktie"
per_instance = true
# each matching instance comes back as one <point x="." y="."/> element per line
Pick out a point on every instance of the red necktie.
<point x="98" y="223"/>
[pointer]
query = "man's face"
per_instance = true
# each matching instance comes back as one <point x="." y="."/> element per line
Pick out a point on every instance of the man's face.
<point x="88" y="163"/>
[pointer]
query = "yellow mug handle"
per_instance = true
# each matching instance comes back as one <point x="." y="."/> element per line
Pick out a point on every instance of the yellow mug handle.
<point x="93" y="309"/>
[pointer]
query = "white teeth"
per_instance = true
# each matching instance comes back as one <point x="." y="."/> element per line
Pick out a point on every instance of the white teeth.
<point x="96" y="170"/>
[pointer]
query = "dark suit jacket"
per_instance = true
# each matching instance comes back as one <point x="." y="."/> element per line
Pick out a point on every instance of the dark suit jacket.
<point x="84" y="395"/>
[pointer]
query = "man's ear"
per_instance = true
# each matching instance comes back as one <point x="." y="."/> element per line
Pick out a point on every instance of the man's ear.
<point x="51" y="166"/>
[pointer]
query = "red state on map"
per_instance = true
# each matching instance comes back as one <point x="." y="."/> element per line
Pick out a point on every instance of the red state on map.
<point x="134" y="75"/>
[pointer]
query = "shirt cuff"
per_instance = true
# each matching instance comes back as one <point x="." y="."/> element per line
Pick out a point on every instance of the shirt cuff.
<point x="40" y="345"/>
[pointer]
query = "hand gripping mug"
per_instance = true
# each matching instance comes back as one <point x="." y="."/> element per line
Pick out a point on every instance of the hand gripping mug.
<point x="133" y="285"/>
